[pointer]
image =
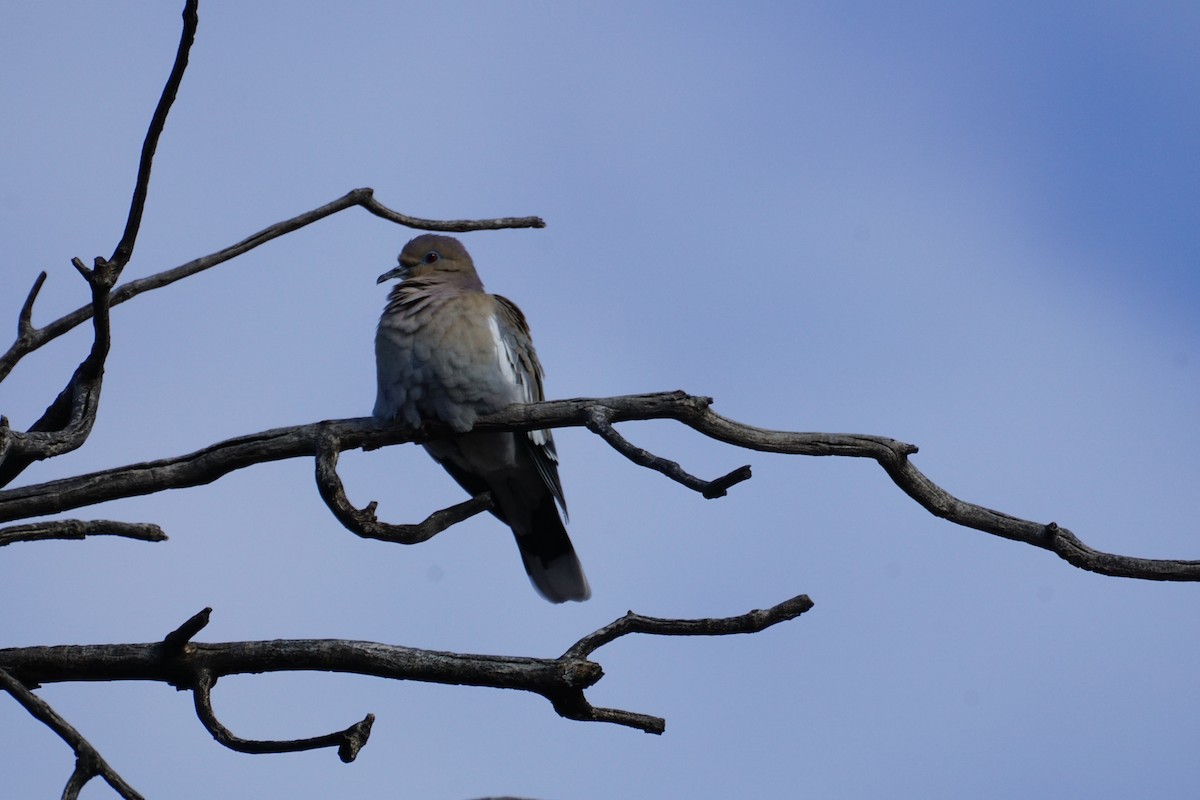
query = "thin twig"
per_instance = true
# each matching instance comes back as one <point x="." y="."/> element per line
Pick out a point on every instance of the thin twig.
<point x="750" y="622"/>
<point x="363" y="197"/>
<point x="599" y="422"/>
<point x="364" y="523"/>
<point x="88" y="761"/>
<point x="158" y="121"/>
<point x="369" y="202"/>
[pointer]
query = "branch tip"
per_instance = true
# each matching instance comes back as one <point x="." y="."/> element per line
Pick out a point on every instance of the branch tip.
<point x="599" y="421"/>
<point x="750" y="622"/>
<point x="720" y="486"/>
<point x="355" y="739"/>
<point x="25" y="317"/>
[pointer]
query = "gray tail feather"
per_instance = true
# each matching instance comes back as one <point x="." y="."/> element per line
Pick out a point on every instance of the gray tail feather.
<point x="549" y="556"/>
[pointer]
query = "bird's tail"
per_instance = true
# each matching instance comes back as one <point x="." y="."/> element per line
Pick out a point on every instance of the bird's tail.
<point x="549" y="556"/>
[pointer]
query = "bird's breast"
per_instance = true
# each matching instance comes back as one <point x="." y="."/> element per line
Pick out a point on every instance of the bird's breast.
<point x="443" y="358"/>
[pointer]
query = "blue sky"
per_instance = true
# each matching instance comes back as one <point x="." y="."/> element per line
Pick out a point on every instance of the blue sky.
<point x="965" y="226"/>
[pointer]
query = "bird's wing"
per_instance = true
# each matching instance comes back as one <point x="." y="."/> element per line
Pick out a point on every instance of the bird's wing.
<point x="517" y="346"/>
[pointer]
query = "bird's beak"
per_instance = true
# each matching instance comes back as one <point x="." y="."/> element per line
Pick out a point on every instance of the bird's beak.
<point x="400" y="272"/>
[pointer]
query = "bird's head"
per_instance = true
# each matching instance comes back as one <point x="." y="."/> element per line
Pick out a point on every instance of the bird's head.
<point x="428" y="254"/>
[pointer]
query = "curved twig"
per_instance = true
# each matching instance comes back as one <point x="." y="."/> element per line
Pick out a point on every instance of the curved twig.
<point x="25" y="327"/>
<point x="210" y="463"/>
<point x="348" y="742"/>
<point x="364" y="523"/>
<point x="88" y="761"/>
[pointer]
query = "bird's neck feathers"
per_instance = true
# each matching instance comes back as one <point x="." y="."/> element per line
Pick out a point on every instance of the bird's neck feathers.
<point x="433" y="289"/>
<point x="458" y="280"/>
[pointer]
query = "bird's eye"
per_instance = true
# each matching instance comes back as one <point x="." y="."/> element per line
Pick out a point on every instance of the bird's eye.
<point x="432" y="257"/>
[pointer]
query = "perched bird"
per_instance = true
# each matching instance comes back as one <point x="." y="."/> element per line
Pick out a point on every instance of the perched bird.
<point x="447" y="350"/>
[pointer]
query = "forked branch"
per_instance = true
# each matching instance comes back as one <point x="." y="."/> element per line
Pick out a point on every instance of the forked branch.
<point x="68" y="421"/>
<point x="31" y="338"/>
<point x="88" y="761"/>
<point x="178" y="661"/>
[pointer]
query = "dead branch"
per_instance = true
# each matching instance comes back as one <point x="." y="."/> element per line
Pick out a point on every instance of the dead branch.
<point x="68" y="421"/>
<point x="196" y="666"/>
<point x="364" y="523"/>
<point x="750" y="622"/>
<point x="348" y="742"/>
<point x="600" y="423"/>
<point x="30" y="338"/>
<point x="88" y="761"/>
<point x="210" y="463"/>
<point x="79" y="529"/>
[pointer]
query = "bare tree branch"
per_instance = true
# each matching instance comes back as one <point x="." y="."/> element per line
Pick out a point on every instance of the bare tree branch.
<point x="79" y="529"/>
<point x="68" y="421"/>
<point x="364" y="197"/>
<point x="364" y="523"/>
<point x="210" y="463"/>
<point x="196" y="666"/>
<point x="750" y="622"/>
<point x="158" y="121"/>
<point x="88" y="761"/>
